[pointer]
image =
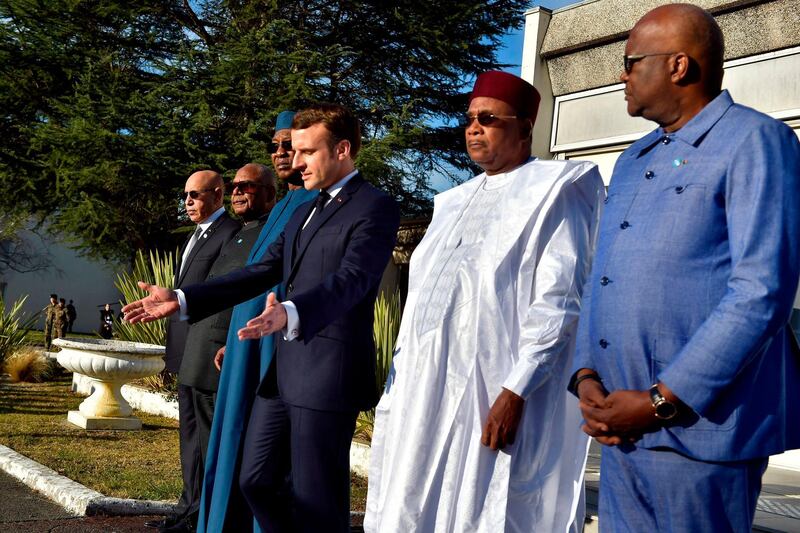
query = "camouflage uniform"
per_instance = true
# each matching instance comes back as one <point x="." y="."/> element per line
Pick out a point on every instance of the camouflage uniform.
<point x="60" y="321"/>
<point x="50" y="315"/>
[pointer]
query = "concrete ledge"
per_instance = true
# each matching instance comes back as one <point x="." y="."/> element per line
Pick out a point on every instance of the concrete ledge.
<point x="359" y="458"/>
<point x="123" y="507"/>
<point x="71" y="495"/>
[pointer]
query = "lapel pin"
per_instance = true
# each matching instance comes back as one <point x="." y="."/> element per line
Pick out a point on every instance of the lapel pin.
<point x="678" y="162"/>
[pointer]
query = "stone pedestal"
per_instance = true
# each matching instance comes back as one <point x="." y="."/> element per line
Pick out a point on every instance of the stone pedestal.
<point x="103" y="422"/>
<point x="110" y="364"/>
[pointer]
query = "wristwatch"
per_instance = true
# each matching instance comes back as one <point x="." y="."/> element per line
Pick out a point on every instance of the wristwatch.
<point x="665" y="409"/>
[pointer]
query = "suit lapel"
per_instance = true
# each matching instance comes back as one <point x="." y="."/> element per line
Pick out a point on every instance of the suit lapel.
<point x="180" y="260"/>
<point x="199" y="245"/>
<point x="319" y="220"/>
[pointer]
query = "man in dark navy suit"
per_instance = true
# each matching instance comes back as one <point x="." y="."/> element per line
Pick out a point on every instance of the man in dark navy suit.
<point x="331" y="257"/>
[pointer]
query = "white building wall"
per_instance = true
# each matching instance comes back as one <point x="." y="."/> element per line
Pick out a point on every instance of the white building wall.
<point x="89" y="283"/>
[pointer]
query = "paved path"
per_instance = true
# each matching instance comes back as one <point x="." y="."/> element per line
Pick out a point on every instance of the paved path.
<point x="24" y="510"/>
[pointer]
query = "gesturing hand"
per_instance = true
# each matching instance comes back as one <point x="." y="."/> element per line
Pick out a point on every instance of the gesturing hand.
<point x="159" y="304"/>
<point x="503" y="420"/>
<point x="271" y="320"/>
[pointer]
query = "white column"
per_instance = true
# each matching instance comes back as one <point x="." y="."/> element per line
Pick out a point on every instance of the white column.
<point x="534" y="70"/>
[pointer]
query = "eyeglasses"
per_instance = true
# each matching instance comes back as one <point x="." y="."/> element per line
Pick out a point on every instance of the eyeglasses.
<point x="629" y="61"/>
<point x="484" y="119"/>
<point x="245" y="187"/>
<point x="194" y="195"/>
<point x="273" y="146"/>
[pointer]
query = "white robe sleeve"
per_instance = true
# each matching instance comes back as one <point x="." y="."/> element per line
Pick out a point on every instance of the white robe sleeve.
<point x="549" y="321"/>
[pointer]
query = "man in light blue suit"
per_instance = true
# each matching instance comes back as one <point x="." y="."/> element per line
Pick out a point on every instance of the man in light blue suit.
<point x="245" y="362"/>
<point x="685" y="366"/>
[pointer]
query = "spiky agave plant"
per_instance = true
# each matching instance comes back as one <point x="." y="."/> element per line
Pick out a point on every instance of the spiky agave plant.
<point x="14" y="326"/>
<point x="156" y="268"/>
<point x="385" y="327"/>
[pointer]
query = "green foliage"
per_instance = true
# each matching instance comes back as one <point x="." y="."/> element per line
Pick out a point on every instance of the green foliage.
<point x="108" y="106"/>
<point x="157" y="268"/>
<point x="385" y="327"/>
<point x="14" y="326"/>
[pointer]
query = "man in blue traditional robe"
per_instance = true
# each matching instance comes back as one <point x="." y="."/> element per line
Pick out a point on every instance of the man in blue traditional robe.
<point x="686" y="367"/>
<point x="245" y="362"/>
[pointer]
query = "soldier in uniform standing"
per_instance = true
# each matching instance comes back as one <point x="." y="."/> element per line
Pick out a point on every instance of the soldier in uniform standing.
<point x="60" y="319"/>
<point x="50" y="314"/>
<point x="72" y="314"/>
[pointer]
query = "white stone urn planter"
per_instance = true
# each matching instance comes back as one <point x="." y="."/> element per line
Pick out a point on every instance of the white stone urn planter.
<point x="110" y="364"/>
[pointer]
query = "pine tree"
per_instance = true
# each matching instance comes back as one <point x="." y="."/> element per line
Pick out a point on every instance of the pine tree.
<point x="109" y="106"/>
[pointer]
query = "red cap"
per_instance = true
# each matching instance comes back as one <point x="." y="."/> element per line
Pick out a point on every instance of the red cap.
<point x="514" y="91"/>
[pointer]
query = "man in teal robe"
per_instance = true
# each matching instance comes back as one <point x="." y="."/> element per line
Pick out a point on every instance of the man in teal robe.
<point x="245" y="363"/>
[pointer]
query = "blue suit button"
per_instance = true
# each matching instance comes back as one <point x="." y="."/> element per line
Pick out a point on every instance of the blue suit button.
<point x="290" y="288"/>
<point x="666" y="140"/>
<point x="625" y="224"/>
<point x="679" y="189"/>
<point x="604" y="281"/>
<point x="649" y="174"/>
<point x="603" y="344"/>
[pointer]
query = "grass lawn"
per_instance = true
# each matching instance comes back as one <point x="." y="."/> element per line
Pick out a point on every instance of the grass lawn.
<point x="36" y="336"/>
<point x="125" y="464"/>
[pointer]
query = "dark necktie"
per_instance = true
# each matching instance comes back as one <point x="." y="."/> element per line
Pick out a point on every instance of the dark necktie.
<point x="319" y="204"/>
<point x="321" y="200"/>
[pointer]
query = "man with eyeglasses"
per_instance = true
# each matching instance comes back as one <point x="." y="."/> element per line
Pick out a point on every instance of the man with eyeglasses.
<point x="686" y="367"/>
<point x="252" y="195"/>
<point x="475" y="430"/>
<point x="246" y="361"/>
<point x="203" y="201"/>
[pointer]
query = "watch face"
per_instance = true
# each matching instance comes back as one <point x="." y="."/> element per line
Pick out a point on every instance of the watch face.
<point x="666" y="410"/>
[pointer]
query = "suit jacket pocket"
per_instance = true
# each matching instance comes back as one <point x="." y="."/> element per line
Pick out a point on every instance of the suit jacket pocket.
<point x="335" y="332"/>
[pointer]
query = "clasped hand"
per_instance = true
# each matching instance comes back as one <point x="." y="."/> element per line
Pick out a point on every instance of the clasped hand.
<point x="612" y="419"/>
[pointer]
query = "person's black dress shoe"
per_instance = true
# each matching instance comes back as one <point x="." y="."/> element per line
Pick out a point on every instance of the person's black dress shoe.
<point x="186" y="525"/>
<point x="167" y="521"/>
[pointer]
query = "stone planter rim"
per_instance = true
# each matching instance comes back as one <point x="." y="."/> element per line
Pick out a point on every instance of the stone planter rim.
<point x="112" y="346"/>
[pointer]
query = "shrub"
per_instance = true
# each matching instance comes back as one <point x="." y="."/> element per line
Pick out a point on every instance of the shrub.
<point x="158" y="269"/>
<point x="28" y="365"/>
<point x="14" y="326"/>
<point x="385" y="327"/>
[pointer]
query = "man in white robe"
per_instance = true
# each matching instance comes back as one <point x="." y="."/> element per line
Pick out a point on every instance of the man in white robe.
<point x="475" y="430"/>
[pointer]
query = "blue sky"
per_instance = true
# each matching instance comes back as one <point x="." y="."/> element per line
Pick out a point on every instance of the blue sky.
<point x="512" y="43"/>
